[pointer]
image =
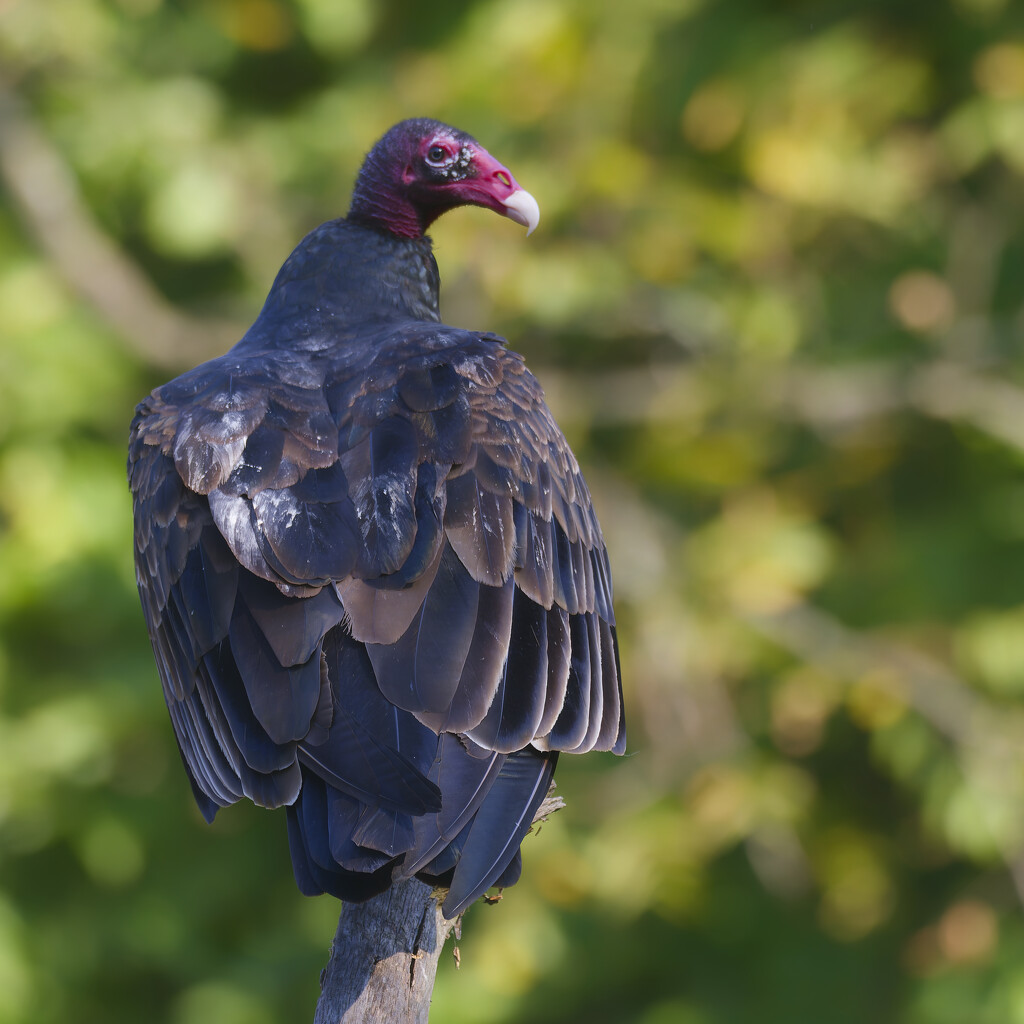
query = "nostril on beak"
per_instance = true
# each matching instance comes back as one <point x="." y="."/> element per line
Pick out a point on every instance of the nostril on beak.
<point x="504" y="178"/>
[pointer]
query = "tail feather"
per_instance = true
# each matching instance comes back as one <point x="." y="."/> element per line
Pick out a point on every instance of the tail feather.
<point x="499" y="826"/>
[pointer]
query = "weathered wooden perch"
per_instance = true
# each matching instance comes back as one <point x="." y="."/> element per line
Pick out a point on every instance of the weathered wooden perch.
<point x="385" y="953"/>
<point x="384" y="958"/>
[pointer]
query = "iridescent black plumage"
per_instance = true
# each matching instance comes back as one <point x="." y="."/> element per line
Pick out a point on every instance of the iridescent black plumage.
<point x="375" y="584"/>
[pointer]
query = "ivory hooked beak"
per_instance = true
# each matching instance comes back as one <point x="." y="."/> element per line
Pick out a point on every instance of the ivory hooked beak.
<point x="523" y="209"/>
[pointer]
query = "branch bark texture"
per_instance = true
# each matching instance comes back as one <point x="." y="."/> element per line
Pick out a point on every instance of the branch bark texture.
<point x="384" y="958"/>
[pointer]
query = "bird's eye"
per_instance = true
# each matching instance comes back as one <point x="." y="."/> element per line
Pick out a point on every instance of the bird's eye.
<point x="437" y="155"/>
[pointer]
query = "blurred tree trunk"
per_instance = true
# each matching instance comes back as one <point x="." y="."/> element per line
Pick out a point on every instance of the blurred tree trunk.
<point x="384" y="958"/>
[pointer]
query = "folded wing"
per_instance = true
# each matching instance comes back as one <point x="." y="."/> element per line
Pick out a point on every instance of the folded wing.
<point x="378" y="595"/>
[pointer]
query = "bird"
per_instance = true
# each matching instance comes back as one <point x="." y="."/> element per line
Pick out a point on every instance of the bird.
<point x="370" y="567"/>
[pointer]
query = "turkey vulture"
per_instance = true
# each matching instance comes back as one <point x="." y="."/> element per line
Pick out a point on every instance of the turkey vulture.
<point x="373" y="578"/>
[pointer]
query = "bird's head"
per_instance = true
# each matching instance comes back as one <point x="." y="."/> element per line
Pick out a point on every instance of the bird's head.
<point x="422" y="168"/>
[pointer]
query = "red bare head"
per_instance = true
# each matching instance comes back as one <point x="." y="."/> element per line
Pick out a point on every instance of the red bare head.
<point x="422" y="168"/>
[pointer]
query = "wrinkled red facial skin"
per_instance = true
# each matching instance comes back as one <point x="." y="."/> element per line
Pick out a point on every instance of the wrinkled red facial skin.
<point x="414" y="175"/>
<point x="471" y="177"/>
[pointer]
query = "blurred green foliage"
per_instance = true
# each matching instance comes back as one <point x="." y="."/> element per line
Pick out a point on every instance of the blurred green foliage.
<point x="777" y="300"/>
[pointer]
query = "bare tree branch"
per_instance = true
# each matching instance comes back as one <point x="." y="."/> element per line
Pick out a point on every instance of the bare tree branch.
<point x="824" y="398"/>
<point x="47" y="197"/>
<point x="384" y="958"/>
